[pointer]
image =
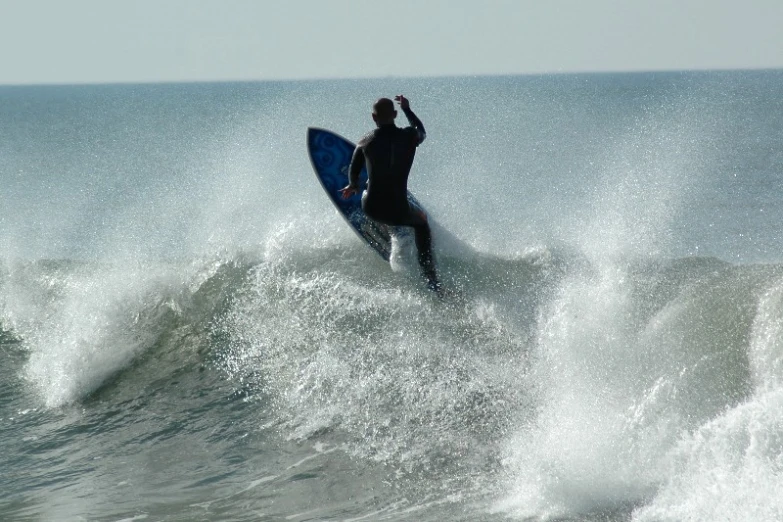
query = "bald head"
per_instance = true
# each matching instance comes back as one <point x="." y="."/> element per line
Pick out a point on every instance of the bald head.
<point x="383" y="111"/>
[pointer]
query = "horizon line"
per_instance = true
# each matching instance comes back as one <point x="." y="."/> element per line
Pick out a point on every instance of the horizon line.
<point x="391" y="77"/>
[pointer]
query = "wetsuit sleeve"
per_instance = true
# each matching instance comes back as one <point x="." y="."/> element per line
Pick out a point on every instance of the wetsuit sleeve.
<point x="357" y="163"/>
<point x="416" y="124"/>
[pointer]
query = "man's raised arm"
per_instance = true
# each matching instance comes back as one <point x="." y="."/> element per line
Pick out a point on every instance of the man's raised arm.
<point x="412" y="118"/>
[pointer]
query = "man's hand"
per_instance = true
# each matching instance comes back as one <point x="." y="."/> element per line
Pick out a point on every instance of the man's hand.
<point x="348" y="191"/>
<point x="403" y="101"/>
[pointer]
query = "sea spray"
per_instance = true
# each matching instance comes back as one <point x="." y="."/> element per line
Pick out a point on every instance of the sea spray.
<point x="83" y="322"/>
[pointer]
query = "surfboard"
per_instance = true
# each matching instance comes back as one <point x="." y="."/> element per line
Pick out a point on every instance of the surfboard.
<point x="330" y="155"/>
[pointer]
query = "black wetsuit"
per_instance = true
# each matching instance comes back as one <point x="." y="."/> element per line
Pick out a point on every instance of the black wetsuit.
<point x="388" y="153"/>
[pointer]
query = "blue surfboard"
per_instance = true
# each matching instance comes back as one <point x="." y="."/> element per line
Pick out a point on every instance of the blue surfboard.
<point x="331" y="155"/>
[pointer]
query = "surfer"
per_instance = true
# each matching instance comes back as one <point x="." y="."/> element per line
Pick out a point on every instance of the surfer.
<point x="388" y="153"/>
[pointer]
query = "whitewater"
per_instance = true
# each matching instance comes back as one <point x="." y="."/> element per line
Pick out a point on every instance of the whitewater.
<point x="189" y="331"/>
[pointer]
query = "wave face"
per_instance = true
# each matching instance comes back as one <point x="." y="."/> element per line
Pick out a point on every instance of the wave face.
<point x="190" y="332"/>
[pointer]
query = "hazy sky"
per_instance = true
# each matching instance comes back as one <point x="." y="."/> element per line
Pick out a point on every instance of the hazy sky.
<point x="92" y="41"/>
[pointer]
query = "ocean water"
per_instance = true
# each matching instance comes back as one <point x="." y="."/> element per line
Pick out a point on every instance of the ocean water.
<point x="189" y="332"/>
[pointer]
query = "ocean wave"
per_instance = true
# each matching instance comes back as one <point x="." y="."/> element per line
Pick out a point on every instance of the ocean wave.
<point x="574" y="382"/>
<point x="81" y="323"/>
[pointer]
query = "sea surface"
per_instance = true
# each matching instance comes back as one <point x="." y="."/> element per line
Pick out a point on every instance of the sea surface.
<point x="190" y="332"/>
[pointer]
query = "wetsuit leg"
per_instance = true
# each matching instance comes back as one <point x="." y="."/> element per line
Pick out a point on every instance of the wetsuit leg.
<point x="424" y="246"/>
<point x="423" y="236"/>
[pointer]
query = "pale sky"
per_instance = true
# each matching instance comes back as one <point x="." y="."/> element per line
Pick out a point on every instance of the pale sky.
<point x="99" y="41"/>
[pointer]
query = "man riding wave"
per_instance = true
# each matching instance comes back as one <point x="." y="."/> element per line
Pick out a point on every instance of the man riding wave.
<point x="388" y="153"/>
